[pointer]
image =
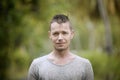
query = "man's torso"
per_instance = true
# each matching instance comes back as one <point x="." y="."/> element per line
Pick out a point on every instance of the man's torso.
<point x="75" y="70"/>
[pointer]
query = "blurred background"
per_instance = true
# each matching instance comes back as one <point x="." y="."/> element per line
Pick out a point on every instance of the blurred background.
<point x="24" y="26"/>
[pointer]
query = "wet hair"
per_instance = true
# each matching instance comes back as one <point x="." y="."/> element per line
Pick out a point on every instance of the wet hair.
<point x="61" y="18"/>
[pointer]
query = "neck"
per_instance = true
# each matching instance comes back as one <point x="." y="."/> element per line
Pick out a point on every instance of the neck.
<point x="61" y="54"/>
<point x="61" y="57"/>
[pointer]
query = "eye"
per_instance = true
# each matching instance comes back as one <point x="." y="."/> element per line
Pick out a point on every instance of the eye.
<point x="55" y="34"/>
<point x="64" y="32"/>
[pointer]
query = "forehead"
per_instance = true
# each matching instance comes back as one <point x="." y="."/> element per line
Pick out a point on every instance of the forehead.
<point x="62" y="26"/>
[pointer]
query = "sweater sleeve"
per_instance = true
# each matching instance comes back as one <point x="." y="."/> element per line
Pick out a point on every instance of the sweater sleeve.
<point x="89" y="71"/>
<point x="33" y="71"/>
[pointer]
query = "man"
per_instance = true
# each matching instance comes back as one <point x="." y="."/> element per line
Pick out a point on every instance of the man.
<point x="60" y="64"/>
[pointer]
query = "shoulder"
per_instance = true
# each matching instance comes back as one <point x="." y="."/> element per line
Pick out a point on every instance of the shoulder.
<point x="39" y="60"/>
<point x="83" y="60"/>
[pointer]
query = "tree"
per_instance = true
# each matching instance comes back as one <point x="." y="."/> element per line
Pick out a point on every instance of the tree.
<point x="104" y="15"/>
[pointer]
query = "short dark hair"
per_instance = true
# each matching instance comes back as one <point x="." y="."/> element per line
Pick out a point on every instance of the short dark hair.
<point x="61" y="18"/>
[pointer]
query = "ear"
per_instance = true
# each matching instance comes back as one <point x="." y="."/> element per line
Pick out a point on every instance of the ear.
<point x="49" y="34"/>
<point x="72" y="34"/>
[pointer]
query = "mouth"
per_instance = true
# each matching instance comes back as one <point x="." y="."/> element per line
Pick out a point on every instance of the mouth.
<point x="60" y="43"/>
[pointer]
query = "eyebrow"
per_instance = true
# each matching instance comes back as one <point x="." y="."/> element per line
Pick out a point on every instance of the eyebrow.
<point x="61" y="31"/>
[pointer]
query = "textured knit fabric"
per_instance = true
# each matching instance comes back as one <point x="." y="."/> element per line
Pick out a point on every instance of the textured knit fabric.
<point x="43" y="69"/>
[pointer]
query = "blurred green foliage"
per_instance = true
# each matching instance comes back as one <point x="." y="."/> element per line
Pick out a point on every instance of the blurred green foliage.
<point x="105" y="67"/>
<point x="24" y="26"/>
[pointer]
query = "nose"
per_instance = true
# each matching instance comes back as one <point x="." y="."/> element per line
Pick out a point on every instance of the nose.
<point x="60" y="37"/>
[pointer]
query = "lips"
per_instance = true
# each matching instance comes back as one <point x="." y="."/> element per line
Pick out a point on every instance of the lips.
<point x="60" y="43"/>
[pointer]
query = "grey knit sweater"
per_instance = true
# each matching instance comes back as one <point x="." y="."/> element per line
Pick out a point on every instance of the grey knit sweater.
<point x="43" y="69"/>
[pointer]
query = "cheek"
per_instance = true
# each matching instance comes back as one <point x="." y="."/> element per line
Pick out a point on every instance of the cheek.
<point x="68" y="39"/>
<point x="53" y="39"/>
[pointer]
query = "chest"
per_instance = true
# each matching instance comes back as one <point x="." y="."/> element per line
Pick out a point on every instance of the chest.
<point x="48" y="71"/>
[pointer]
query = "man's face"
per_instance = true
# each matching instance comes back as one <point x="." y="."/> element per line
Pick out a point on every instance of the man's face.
<point x="61" y="35"/>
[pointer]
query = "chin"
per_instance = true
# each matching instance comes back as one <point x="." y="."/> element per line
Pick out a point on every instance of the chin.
<point x="60" y="49"/>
